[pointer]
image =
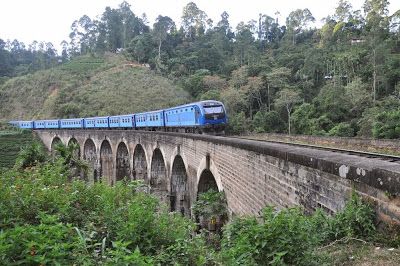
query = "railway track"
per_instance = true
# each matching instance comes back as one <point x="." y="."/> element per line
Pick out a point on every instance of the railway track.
<point x="372" y="155"/>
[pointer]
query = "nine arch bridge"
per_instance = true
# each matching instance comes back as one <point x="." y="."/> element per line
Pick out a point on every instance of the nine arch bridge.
<point x="252" y="174"/>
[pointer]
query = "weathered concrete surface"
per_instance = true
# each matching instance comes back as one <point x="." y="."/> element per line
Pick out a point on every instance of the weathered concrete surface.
<point x="253" y="174"/>
<point x="362" y="144"/>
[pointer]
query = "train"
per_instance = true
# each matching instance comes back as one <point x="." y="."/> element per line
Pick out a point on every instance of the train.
<point x="203" y="117"/>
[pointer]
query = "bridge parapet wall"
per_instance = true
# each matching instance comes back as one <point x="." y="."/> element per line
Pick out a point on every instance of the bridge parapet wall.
<point x="255" y="174"/>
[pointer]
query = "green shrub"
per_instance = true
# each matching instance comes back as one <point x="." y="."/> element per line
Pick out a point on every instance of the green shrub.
<point x="290" y="237"/>
<point x="342" y="130"/>
<point x="387" y="125"/>
<point x="49" y="242"/>
<point x="238" y="123"/>
<point x="31" y="155"/>
<point x="96" y="223"/>
<point x="355" y="220"/>
<point x="268" y="122"/>
<point x="188" y="251"/>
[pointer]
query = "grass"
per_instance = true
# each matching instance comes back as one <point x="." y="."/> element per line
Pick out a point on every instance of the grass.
<point x="87" y="86"/>
<point x="360" y="253"/>
<point x="11" y="143"/>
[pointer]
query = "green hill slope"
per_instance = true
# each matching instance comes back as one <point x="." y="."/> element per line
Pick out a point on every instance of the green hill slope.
<point x="11" y="142"/>
<point x="87" y="86"/>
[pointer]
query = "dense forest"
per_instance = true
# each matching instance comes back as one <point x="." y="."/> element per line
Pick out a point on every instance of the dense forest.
<point x="341" y="79"/>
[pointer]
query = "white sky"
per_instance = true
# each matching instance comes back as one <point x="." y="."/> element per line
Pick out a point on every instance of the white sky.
<point x="50" y="20"/>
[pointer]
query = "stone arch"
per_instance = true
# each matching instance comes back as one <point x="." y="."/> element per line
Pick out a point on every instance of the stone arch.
<point x="208" y="176"/>
<point x="179" y="196"/>
<point x="78" y="151"/>
<point x="90" y="155"/>
<point x="207" y="181"/>
<point x="56" y="140"/>
<point x="139" y="163"/>
<point x="122" y="162"/>
<point x="158" y="177"/>
<point x="106" y="161"/>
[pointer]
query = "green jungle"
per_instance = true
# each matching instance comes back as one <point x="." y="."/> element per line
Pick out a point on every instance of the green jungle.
<point x="341" y="79"/>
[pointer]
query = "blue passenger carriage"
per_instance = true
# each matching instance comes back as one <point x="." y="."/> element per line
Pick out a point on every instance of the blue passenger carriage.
<point x="101" y="122"/>
<point x="73" y="123"/>
<point x="54" y="123"/>
<point x="153" y="120"/>
<point x="39" y="124"/>
<point x="122" y="121"/>
<point x="89" y="122"/>
<point x="24" y="124"/>
<point x="14" y="123"/>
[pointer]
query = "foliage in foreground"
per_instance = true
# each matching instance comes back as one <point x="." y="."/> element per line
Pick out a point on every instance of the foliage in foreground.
<point x="290" y="237"/>
<point x="45" y="217"/>
<point x="48" y="219"/>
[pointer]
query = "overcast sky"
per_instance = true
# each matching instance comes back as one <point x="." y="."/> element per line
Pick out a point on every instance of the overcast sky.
<point x="50" y="20"/>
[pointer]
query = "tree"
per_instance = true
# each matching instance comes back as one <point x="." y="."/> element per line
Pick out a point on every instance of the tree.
<point x="343" y="11"/>
<point x="288" y="98"/>
<point x="276" y="79"/>
<point x="377" y="27"/>
<point x="297" y="20"/>
<point x="245" y="50"/>
<point x="161" y="29"/>
<point x="140" y="48"/>
<point x="194" y="20"/>
<point x="357" y="92"/>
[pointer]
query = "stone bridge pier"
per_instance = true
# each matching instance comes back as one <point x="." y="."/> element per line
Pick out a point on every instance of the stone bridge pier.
<point x="252" y="174"/>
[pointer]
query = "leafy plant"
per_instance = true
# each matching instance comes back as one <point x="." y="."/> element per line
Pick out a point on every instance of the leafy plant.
<point x="210" y="204"/>
<point x="31" y="156"/>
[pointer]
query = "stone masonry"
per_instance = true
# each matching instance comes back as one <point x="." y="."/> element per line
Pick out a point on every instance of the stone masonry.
<point x="252" y="174"/>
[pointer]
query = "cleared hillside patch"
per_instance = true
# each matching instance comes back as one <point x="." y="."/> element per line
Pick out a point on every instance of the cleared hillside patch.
<point x="87" y="86"/>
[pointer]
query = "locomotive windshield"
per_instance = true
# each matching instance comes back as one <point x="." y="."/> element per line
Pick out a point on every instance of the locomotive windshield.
<point x="213" y="109"/>
<point x="214" y="112"/>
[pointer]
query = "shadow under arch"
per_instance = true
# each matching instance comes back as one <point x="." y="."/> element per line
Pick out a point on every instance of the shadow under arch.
<point x="90" y="155"/>
<point x="179" y="196"/>
<point x="106" y="162"/>
<point x="206" y="182"/>
<point x="158" y="177"/>
<point x="122" y="162"/>
<point x="77" y="152"/>
<point x="139" y="164"/>
<point x="56" y="140"/>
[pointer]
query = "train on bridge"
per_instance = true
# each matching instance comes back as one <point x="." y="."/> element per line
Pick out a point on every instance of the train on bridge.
<point x="199" y="117"/>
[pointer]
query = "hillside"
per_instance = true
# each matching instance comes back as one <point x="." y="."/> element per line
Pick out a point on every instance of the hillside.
<point x="87" y="86"/>
<point x="11" y="143"/>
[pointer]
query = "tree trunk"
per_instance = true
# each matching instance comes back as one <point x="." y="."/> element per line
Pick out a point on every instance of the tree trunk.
<point x="159" y="50"/>
<point x="374" y="76"/>
<point x="288" y="109"/>
<point x="269" y="101"/>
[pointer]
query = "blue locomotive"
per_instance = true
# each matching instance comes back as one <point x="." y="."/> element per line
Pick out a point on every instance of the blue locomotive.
<point x="200" y="117"/>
